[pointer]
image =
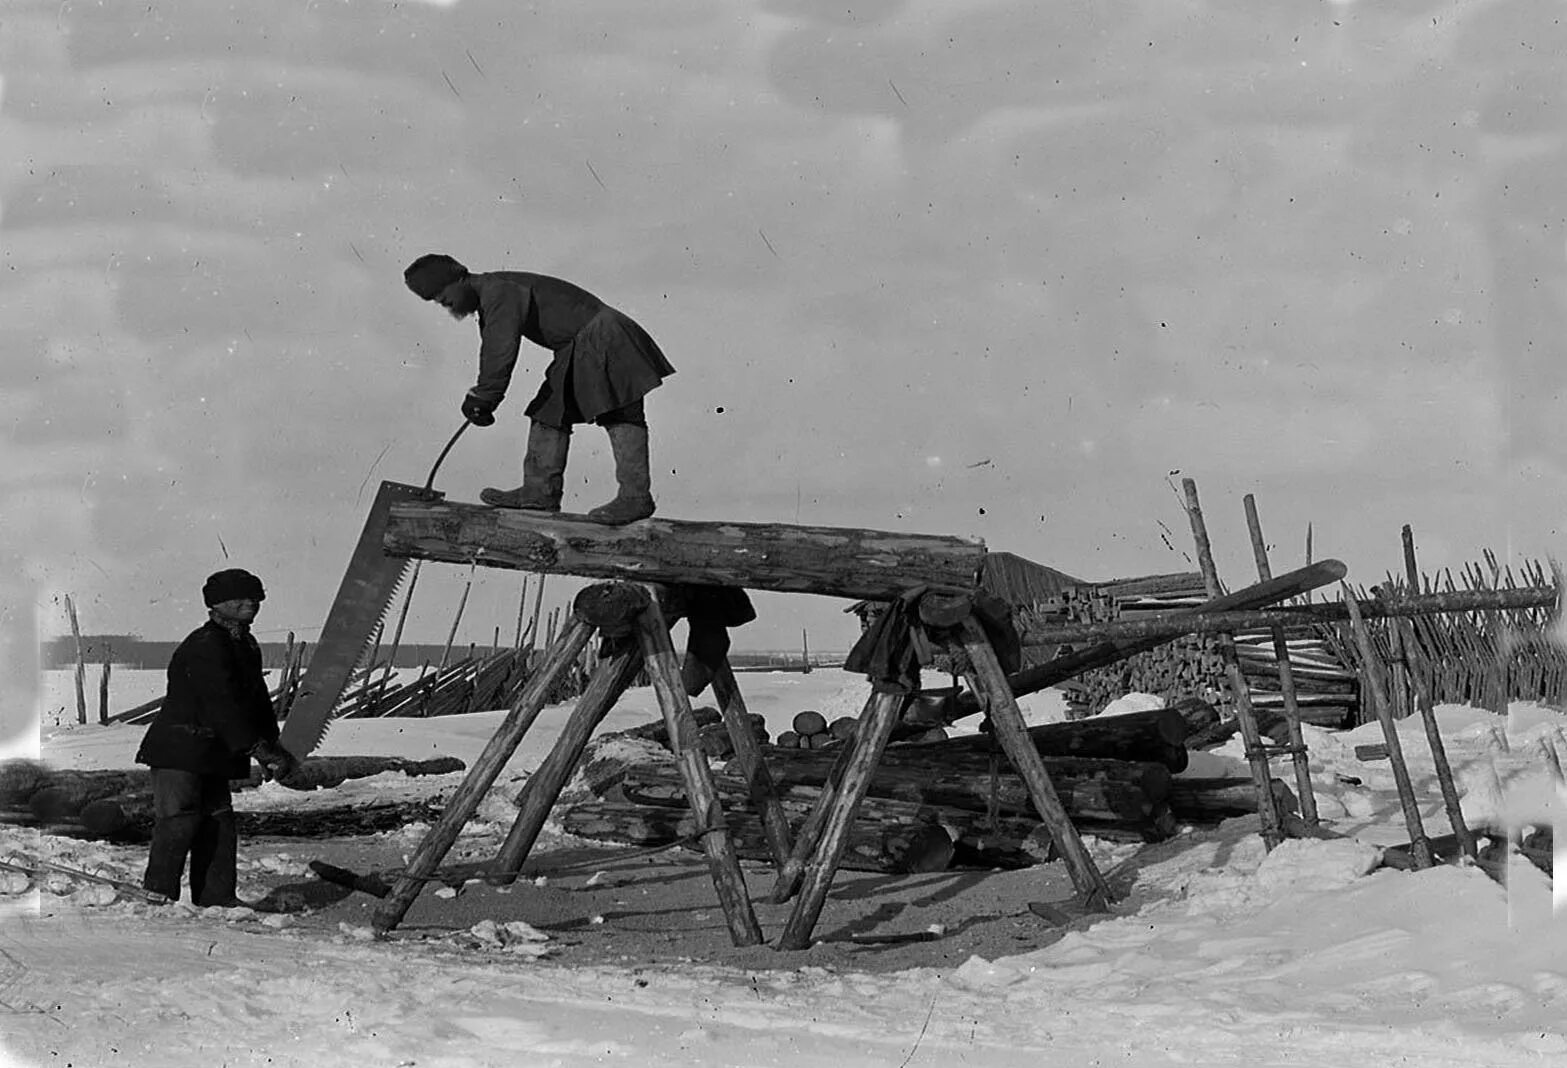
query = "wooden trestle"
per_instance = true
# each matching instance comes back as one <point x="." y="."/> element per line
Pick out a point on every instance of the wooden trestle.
<point x="662" y="556"/>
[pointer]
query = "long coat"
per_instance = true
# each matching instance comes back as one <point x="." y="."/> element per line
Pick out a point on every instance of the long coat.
<point x="603" y="358"/>
<point x="216" y="707"/>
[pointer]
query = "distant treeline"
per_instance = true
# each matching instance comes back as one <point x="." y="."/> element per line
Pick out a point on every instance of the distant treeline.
<point x="131" y="651"/>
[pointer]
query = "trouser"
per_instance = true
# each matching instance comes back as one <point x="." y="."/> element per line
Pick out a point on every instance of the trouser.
<point x="193" y="818"/>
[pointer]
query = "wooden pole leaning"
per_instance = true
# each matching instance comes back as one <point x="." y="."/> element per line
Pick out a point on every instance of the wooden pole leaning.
<point x="1408" y="648"/>
<point x="1256" y="752"/>
<point x="1420" y="845"/>
<point x="1404" y="644"/>
<point x="1006" y="720"/>
<point x="748" y="760"/>
<point x="838" y="810"/>
<point x="443" y="833"/>
<point x="664" y="670"/>
<point x="609" y="680"/>
<point x="1281" y="653"/>
<point x="809" y="836"/>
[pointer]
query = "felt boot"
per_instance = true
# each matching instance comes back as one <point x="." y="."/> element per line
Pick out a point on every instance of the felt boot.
<point x="543" y="473"/>
<point x="634" y="499"/>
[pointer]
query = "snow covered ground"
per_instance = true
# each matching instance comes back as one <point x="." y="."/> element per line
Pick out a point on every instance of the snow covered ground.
<point x="1301" y="957"/>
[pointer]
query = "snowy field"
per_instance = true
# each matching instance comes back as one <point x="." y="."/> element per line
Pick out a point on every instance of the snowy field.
<point x="1302" y="957"/>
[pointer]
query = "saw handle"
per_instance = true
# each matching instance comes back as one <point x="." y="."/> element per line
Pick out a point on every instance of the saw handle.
<point x="430" y="482"/>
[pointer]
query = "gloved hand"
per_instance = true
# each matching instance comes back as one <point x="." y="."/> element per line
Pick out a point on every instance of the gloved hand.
<point x="477" y="412"/>
<point x="276" y="762"/>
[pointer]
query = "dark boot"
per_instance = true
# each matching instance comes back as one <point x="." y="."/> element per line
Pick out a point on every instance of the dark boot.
<point x="543" y="473"/>
<point x="172" y="839"/>
<point x="214" y="860"/>
<point x="634" y="500"/>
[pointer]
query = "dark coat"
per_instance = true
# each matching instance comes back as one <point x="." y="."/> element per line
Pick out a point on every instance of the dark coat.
<point x="603" y="359"/>
<point x="216" y="707"/>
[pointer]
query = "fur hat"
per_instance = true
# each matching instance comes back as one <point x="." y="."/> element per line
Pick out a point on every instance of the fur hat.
<point x="232" y="585"/>
<point x="433" y="272"/>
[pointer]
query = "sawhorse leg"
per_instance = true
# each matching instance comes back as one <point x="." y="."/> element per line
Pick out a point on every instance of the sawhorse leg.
<point x="810" y="835"/>
<point x="443" y="834"/>
<point x="614" y="673"/>
<point x="748" y="758"/>
<point x="1006" y="719"/>
<point x="839" y="810"/>
<point x="664" y="670"/>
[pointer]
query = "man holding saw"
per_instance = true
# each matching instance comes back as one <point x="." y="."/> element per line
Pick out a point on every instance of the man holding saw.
<point x="215" y="717"/>
<point x="604" y="364"/>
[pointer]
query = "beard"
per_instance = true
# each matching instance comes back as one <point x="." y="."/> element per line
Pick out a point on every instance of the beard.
<point x="466" y="303"/>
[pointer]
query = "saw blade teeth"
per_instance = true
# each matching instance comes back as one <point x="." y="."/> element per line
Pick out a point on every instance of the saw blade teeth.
<point x="358" y="612"/>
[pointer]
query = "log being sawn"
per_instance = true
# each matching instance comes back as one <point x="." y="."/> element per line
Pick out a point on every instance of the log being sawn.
<point x="832" y="561"/>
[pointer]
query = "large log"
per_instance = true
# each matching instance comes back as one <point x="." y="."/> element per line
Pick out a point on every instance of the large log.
<point x="836" y="561"/>
<point x="876" y="842"/>
<point x="52" y="794"/>
<point x="1154" y="736"/>
<point x="1109" y="790"/>
<point x="973" y="830"/>
<point x="128" y="819"/>
<point x="1211" y="800"/>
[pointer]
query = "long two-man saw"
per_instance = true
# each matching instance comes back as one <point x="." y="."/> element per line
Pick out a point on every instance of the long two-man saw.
<point x="369" y="584"/>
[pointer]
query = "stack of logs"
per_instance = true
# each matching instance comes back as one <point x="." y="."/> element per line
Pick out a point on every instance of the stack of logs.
<point x="1328" y="693"/>
<point x="931" y="805"/>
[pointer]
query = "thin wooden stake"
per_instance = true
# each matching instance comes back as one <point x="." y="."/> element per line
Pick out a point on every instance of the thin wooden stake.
<point x="1281" y="654"/>
<point x="103" y="690"/>
<point x="81" y="662"/>
<point x="1256" y="755"/>
<point x="1420" y="846"/>
<point x="1405" y="636"/>
<point x="522" y="609"/>
<point x="1553" y="761"/>
<point x="1411" y="572"/>
<point x="397" y="631"/>
<point x="538" y="605"/>
<point x="462" y="603"/>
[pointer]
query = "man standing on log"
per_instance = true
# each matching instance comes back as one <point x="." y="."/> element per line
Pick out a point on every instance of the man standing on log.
<point x="215" y="716"/>
<point x="604" y="364"/>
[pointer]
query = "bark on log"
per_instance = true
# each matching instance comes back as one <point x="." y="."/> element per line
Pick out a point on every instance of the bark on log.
<point x="1109" y="790"/>
<point x="1211" y="800"/>
<point x="128" y="820"/>
<point x="1157" y="736"/>
<point x="841" y="562"/>
<point x="660" y="786"/>
<point x="892" y="845"/>
<point x="52" y="794"/>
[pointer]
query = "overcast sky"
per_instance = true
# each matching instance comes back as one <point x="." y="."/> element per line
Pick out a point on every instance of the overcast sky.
<point x="1002" y="269"/>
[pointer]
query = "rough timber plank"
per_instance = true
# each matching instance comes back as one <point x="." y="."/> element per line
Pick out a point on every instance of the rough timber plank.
<point x="859" y="564"/>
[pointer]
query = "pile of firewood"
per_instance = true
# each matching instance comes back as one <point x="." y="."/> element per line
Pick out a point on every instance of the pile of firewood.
<point x="1192" y="666"/>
